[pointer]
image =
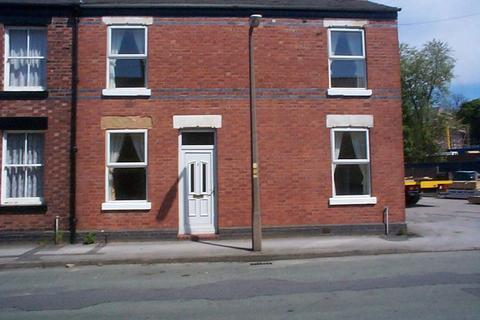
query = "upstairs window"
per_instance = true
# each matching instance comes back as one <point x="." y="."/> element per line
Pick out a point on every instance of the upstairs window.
<point x="25" y="52"/>
<point x="22" y="174"/>
<point x="127" y="57"/>
<point x="347" y="58"/>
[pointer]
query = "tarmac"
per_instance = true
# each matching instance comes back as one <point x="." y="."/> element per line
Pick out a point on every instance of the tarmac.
<point x="435" y="225"/>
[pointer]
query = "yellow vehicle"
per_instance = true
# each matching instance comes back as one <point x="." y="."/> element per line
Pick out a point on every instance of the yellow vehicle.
<point x="432" y="185"/>
<point x="412" y="191"/>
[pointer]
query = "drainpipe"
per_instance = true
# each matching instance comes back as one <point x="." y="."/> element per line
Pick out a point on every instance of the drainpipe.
<point x="73" y="125"/>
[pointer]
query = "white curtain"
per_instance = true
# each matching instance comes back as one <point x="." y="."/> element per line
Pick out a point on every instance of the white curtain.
<point x="116" y="40"/>
<point x="18" y="72"/>
<point x="27" y="71"/>
<point x="139" y="145"/>
<point x="15" y="148"/>
<point x="15" y="182"/>
<point x="116" y="144"/>
<point x="111" y="65"/>
<point x="338" y="143"/>
<point x="359" y="141"/>
<point x="35" y="149"/>
<point x="34" y="182"/>
<point x="16" y="176"/>
<point x="359" y="144"/>
<point x="36" y="75"/>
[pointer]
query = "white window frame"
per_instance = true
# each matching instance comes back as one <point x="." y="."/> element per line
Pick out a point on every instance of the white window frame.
<point x="125" y="204"/>
<point x="338" y="91"/>
<point x="134" y="91"/>
<point x="6" y="81"/>
<point x="25" y="201"/>
<point x="351" y="199"/>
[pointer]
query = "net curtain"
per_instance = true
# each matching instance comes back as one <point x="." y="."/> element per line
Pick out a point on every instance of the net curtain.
<point x="24" y="168"/>
<point x="27" y="50"/>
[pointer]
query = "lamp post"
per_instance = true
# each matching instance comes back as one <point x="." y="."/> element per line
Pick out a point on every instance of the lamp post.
<point x="254" y="22"/>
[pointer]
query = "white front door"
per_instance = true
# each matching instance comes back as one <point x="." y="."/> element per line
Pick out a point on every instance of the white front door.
<point x="198" y="186"/>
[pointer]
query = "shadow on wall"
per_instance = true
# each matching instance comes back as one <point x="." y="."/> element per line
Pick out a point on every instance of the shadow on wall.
<point x="168" y="201"/>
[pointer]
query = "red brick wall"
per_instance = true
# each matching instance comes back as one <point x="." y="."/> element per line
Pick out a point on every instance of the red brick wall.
<point x="200" y="66"/>
<point x="57" y="138"/>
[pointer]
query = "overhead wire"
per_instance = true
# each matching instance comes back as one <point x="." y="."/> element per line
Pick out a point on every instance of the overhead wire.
<point x="440" y="20"/>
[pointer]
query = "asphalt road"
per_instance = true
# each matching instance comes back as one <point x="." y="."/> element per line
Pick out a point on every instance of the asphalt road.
<point x="408" y="286"/>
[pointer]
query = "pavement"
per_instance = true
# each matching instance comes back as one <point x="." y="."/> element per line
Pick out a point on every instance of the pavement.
<point x="434" y="225"/>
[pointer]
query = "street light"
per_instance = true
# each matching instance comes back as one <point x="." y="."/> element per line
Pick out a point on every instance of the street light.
<point x="254" y="22"/>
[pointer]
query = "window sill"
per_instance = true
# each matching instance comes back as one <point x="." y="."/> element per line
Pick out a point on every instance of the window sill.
<point x="349" y="92"/>
<point x="127" y="92"/>
<point x="127" y="205"/>
<point x="344" y="201"/>
<point x="27" y="94"/>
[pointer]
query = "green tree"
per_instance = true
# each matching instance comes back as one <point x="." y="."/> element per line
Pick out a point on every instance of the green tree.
<point x="426" y="75"/>
<point x="469" y="114"/>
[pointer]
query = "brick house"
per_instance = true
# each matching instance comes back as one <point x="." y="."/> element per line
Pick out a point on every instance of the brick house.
<point x="160" y="136"/>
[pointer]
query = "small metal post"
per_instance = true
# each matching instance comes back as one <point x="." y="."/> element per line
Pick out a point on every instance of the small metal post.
<point x="385" y="219"/>
<point x="57" y="219"/>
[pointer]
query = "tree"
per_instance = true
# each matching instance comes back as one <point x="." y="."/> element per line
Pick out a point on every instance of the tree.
<point x="425" y="75"/>
<point x="469" y="114"/>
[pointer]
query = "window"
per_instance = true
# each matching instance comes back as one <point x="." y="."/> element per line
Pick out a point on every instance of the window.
<point x="126" y="170"/>
<point x="22" y="168"/>
<point x="347" y="61"/>
<point x="25" y="57"/>
<point x="351" y="167"/>
<point x="127" y="60"/>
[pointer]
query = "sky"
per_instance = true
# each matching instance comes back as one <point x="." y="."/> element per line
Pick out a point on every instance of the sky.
<point x="456" y="22"/>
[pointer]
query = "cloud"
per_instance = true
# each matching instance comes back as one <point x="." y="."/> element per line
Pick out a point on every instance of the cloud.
<point x="461" y="34"/>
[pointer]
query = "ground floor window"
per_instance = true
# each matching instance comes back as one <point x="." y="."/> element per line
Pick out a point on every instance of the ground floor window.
<point x="126" y="169"/>
<point x="23" y="168"/>
<point x="350" y="163"/>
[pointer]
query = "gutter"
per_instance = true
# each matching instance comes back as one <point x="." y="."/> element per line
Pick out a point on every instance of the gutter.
<point x="73" y="125"/>
<point x="225" y="6"/>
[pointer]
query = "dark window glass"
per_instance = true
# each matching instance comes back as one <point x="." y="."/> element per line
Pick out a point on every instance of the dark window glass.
<point x="128" y="41"/>
<point x="204" y="177"/>
<point x="128" y="183"/>
<point x="192" y="177"/>
<point x="347" y="43"/>
<point x="129" y="73"/>
<point x="348" y="74"/>
<point x="351" y="179"/>
<point x="198" y="138"/>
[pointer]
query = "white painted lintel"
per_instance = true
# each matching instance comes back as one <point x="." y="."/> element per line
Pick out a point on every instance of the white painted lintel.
<point x="197" y="121"/>
<point x="349" y="120"/>
<point x="337" y="23"/>
<point x="144" y="21"/>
